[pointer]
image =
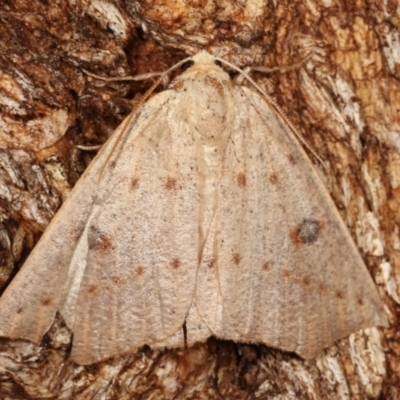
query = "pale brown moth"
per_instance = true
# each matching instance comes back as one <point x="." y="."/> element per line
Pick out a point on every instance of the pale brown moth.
<point x="201" y="209"/>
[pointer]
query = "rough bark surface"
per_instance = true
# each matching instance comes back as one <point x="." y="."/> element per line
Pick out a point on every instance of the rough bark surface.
<point x="343" y="94"/>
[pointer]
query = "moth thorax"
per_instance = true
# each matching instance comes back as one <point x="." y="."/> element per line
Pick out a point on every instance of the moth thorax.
<point x="206" y="109"/>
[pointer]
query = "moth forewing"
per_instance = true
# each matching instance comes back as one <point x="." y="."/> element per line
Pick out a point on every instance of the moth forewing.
<point x="30" y="302"/>
<point x="283" y="248"/>
<point x="202" y="209"/>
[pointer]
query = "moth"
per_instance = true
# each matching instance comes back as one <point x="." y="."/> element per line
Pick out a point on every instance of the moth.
<point x="201" y="209"/>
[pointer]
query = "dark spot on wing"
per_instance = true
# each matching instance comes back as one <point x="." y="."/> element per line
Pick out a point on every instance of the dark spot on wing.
<point x="175" y="263"/>
<point x="339" y="295"/>
<point x="98" y="240"/>
<point x="139" y="271"/>
<point x="273" y="178"/>
<point x="118" y="280"/>
<point x="92" y="288"/>
<point x="307" y="232"/>
<point x="266" y="266"/>
<point x="241" y="180"/>
<point x="306" y="281"/>
<point x="236" y="258"/>
<point x="171" y="183"/>
<point x="46" y="302"/>
<point x="103" y="243"/>
<point x="211" y="264"/>
<point x="134" y="183"/>
<point x="292" y="159"/>
<point x="286" y="273"/>
<point x="112" y="164"/>
<point x="19" y="311"/>
<point x="360" y="302"/>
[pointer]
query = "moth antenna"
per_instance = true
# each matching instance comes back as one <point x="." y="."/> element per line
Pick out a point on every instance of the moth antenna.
<point x="276" y="106"/>
<point x="140" y="77"/>
<point x="282" y="68"/>
<point x="126" y="123"/>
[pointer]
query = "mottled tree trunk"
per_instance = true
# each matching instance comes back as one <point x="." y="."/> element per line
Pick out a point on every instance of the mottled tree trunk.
<point x="340" y="89"/>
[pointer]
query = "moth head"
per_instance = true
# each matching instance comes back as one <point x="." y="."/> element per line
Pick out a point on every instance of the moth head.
<point x="203" y="57"/>
<point x="204" y="63"/>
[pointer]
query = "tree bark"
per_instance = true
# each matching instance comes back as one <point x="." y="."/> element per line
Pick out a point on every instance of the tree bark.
<point x="338" y="82"/>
